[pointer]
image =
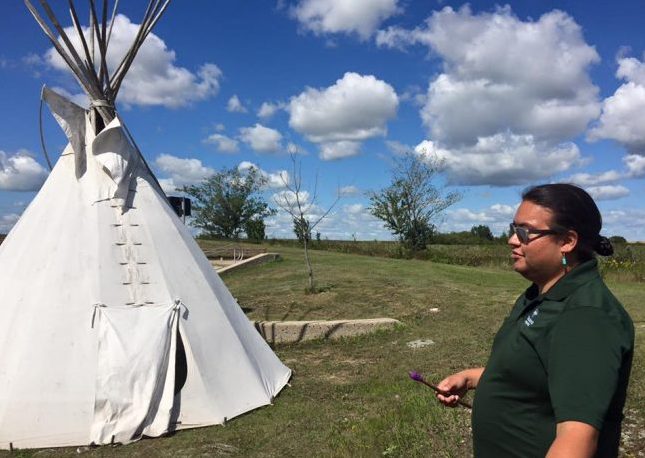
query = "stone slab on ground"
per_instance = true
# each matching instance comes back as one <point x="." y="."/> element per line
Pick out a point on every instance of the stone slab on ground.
<point x="253" y="261"/>
<point x="420" y="343"/>
<point x="300" y="331"/>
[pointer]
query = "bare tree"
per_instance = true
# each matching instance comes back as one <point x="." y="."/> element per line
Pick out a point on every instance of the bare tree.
<point x="299" y="204"/>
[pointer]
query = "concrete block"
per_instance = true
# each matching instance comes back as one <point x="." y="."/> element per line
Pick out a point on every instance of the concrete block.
<point x="300" y="331"/>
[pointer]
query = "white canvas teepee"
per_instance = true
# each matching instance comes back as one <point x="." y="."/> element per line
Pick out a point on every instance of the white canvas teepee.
<point x="114" y="324"/>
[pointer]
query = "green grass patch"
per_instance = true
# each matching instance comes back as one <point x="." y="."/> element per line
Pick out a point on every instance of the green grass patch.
<point x="352" y="397"/>
<point x="627" y="263"/>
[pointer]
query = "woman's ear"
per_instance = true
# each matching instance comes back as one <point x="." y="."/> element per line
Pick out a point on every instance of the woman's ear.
<point x="568" y="241"/>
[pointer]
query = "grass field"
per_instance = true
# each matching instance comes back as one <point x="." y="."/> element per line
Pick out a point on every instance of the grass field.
<point x="627" y="263"/>
<point x="353" y="397"/>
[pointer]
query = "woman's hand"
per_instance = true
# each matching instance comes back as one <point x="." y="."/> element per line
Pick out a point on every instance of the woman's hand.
<point x="457" y="385"/>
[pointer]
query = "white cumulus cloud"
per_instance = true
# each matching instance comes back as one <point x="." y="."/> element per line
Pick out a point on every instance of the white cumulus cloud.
<point x="293" y="148"/>
<point x="497" y="217"/>
<point x="628" y="222"/>
<point x="607" y="192"/>
<point x="261" y="139"/>
<point x="7" y="222"/>
<point x="353" y="208"/>
<point x="635" y="165"/>
<point x="622" y="112"/>
<point x="502" y="159"/>
<point x="351" y="222"/>
<point x="360" y="17"/>
<point x="349" y="191"/>
<point x="397" y="147"/>
<point x="330" y="151"/>
<point x="274" y="180"/>
<point x="288" y="199"/>
<point x="355" y="108"/>
<point x="268" y="109"/>
<point x="588" y="179"/>
<point x="21" y="172"/>
<point x="168" y="186"/>
<point x="634" y="168"/>
<point x="181" y="171"/>
<point x="153" y="78"/>
<point x="223" y="143"/>
<point x="504" y="78"/>
<point x="235" y="105"/>
<point x="342" y="223"/>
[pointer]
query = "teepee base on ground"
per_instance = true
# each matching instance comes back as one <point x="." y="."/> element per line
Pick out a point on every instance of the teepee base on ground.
<point x="91" y="330"/>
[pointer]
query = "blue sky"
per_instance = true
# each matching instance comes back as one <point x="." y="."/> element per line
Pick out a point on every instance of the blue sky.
<point x="505" y="95"/>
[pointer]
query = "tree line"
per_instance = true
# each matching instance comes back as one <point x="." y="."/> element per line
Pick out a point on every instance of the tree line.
<point x="230" y="203"/>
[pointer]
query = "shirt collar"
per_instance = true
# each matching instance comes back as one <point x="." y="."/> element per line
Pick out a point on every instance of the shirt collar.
<point x="565" y="286"/>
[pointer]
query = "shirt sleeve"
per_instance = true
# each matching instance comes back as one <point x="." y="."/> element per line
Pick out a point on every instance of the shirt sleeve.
<point x="583" y="365"/>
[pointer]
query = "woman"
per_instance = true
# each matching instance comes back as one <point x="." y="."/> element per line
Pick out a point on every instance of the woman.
<point x="556" y="380"/>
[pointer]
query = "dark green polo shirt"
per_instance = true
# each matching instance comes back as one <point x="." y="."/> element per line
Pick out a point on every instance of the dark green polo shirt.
<point x="561" y="356"/>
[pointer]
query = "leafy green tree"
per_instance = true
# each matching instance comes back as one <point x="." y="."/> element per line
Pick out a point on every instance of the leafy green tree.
<point x="483" y="232"/>
<point x="255" y="229"/>
<point x="410" y="204"/>
<point x="226" y="201"/>
<point x="618" y="240"/>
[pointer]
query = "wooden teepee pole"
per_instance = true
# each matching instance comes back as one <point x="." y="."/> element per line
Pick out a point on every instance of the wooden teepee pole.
<point x="94" y="76"/>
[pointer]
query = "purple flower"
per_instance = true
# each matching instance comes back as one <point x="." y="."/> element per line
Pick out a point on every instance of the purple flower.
<point x="414" y="375"/>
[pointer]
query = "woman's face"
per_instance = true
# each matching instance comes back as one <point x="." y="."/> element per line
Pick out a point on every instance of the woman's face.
<point x="539" y="260"/>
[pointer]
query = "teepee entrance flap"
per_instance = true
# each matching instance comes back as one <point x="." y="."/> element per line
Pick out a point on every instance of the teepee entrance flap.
<point x="135" y="372"/>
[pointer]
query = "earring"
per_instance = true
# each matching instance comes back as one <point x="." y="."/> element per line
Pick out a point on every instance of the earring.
<point x="564" y="260"/>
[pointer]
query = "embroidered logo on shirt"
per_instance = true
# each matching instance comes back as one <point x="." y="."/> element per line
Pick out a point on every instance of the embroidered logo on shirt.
<point x="531" y="317"/>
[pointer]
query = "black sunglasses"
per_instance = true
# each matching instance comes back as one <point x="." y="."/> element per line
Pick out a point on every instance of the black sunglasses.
<point x="523" y="233"/>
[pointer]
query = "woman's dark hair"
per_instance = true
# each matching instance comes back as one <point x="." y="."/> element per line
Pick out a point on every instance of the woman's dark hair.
<point x="573" y="209"/>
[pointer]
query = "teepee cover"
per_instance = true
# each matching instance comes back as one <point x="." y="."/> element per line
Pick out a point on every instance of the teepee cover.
<point x="114" y="324"/>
